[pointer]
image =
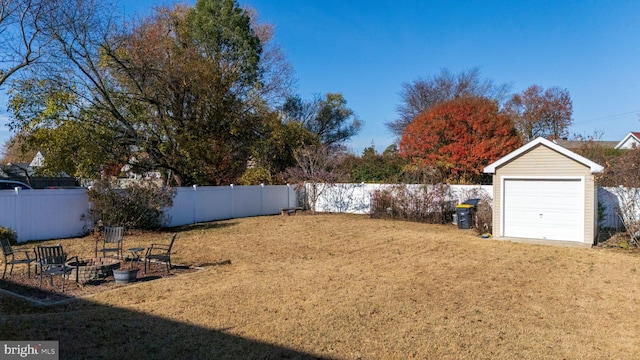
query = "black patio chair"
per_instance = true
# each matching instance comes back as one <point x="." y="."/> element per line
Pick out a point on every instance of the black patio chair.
<point x="10" y="258"/>
<point x="52" y="261"/>
<point x="159" y="252"/>
<point x="111" y="241"/>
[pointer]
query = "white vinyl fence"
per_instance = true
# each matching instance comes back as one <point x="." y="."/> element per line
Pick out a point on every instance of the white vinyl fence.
<point x="206" y="203"/>
<point x="45" y="214"/>
<point x="63" y="213"/>
<point x="610" y="202"/>
<point x="356" y="199"/>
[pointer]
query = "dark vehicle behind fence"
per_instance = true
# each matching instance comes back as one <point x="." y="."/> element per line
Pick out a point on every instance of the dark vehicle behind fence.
<point x="11" y="184"/>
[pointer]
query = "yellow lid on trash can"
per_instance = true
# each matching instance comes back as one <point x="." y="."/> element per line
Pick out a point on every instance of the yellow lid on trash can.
<point x="464" y="206"/>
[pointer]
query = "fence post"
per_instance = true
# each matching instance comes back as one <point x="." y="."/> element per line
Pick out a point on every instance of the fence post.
<point x="233" y="204"/>
<point x="363" y="197"/>
<point x="194" y="203"/>
<point x="261" y="198"/>
<point x="288" y="195"/>
<point x="17" y="217"/>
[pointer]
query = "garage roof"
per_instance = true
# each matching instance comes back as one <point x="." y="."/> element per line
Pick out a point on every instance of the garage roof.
<point x="595" y="168"/>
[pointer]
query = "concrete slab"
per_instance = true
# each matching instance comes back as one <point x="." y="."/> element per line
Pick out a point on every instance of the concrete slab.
<point x="546" y="242"/>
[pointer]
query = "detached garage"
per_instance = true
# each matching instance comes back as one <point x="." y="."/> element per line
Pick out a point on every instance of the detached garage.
<point x="544" y="192"/>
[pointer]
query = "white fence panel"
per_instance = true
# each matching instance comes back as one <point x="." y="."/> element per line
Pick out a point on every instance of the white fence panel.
<point x="610" y="202"/>
<point x="356" y="198"/>
<point x="347" y="198"/>
<point x="213" y="203"/>
<point x="9" y="209"/>
<point x="461" y="193"/>
<point x="276" y="197"/>
<point x="45" y="214"/>
<point x="208" y="203"/>
<point x="183" y="210"/>
<point x="247" y="201"/>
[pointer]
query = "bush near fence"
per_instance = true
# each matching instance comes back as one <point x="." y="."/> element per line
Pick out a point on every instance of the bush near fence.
<point x="425" y="203"/>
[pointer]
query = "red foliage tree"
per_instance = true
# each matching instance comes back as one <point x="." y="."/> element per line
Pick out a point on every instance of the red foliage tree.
<point x="458" y="138"/>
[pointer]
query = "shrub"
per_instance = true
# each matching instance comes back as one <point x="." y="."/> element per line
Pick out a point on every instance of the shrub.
<point x="9" y="234"/>
<point x="139" y="205"/>
<point x="421" y="203"/>
<point x="622" y="175"/>
<point x="484" y="215"/>
<point x="255" y="176"/>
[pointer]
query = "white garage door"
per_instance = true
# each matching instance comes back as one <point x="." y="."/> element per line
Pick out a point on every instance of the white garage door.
<point x="544" y="209"/>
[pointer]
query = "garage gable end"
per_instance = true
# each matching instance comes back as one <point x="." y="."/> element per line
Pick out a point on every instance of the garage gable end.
<point x="543" y="161"/>
<point x="593" y="167"/>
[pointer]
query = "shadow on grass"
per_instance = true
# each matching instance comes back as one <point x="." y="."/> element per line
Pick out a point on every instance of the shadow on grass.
<point x="219" y="263"/>
<point x="148" y="278"/>
<point x="88" y="330"/>
<point x="202" y="226"/>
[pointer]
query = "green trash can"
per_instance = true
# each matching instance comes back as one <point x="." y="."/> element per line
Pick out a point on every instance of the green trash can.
<point x="463" y="215"/>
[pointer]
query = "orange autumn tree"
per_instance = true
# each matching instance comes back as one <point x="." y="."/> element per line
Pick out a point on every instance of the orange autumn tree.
<point x="456" y="139"/>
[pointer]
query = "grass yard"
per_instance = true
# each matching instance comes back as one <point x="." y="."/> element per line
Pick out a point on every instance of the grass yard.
<point x="350" y="287"/>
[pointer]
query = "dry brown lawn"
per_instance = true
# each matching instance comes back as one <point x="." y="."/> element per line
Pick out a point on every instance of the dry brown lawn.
<point x="350" y="287"/>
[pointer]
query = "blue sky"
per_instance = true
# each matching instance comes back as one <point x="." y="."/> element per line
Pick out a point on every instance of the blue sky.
<point x="366" y="49"/>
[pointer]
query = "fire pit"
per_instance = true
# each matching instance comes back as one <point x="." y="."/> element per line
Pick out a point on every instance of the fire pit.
<point x="94" y="269"/>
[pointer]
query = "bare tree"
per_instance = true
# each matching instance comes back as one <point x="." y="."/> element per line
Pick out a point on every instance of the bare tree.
<point x="24" y="34"/>
<point x="622" y="176"/>
<point x="277" y="73"/>
<point x="317" y="169"/>
<point x="424" y="93"/>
